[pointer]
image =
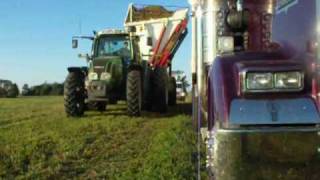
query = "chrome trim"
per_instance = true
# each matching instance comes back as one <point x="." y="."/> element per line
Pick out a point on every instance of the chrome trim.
<point x="270" y="130"/>
<point x="249" y="112"/>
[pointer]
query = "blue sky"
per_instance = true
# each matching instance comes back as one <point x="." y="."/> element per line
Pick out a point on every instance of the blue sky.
<point x="35" y="35"/>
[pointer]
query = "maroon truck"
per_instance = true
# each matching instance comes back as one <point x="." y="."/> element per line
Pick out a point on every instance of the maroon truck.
<point x="256" y="87"/>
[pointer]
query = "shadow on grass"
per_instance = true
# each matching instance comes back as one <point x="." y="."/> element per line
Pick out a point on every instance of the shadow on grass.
<point x="181" y="108"/>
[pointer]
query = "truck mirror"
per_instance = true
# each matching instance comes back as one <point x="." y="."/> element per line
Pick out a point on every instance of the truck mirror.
<point x="74" y="43"/>
<point x="149" y="41"/>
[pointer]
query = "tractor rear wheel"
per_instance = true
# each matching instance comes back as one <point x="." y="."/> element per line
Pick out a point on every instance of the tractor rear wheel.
<point x="74" y="94"/>
<point x="172" y="91"/>
<point x="160" y="87"/>
<point x="147" y="89"/>
<point x="134" y="93"/>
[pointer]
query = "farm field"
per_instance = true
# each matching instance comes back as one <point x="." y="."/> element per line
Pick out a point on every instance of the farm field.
<point x="38" y="141"/>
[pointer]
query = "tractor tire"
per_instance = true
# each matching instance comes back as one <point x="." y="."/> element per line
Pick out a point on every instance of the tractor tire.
<point x="160" y="87"/>
<point x="134" y="93"/>
<point x="74" y="94"/>
<point x="147" y="90"/>
<point x="172" y="92"/>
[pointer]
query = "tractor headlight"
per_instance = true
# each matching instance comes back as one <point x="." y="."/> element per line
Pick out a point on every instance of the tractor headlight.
<point x="259" y="81"/>
<point x="93" y="76"/>
<point x="288" y="80"/>
<point x="225" y="44"/>
<point x="105" y="76"/>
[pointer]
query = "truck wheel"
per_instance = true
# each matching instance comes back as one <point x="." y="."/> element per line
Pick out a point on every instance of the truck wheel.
<point x="134" y="93"/>
<point x="160" y="87"/>
<point x="172" y="92"/>
<point x="74" y="94"/>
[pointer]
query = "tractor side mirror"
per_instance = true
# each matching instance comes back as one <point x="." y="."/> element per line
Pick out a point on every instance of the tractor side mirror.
<point x="74" y="43"/>
<point x="149" y="41"/>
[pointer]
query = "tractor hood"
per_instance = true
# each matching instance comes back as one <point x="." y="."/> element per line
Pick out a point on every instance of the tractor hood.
<point x="110" y="65"/>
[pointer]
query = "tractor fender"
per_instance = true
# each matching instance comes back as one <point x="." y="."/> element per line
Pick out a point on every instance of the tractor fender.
<point x="83" y="70"/>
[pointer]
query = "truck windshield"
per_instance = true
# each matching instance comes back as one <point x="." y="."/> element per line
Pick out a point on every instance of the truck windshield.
<point x="113" y="46"/>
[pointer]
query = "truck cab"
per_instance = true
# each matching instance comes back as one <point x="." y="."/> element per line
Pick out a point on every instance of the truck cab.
<point x="257" y="88"/>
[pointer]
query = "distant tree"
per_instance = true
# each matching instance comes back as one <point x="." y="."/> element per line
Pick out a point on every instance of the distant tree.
<point x="45" y="89"/>
<point x="25" y="90"/>
<point x="56" y="89"/>
<point x="13" y="91"/>
<point x="3" y="92"/>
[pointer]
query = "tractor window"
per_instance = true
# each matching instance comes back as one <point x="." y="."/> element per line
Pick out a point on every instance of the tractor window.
<point x="112" y="46"/>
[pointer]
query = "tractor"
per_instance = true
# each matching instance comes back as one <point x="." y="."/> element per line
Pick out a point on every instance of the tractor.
<point x="256" y="86"/>
<point x="131" y="64"/>
<point x="113" y="74"/>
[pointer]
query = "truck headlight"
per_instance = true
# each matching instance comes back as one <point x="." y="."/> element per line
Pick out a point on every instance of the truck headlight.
<point x="93" y="76"/>
<point x="288" y="80"/>
<point x="259" y="81"/>
<point x="105" y="76"/>
<point x="273" y="81"/>
<point x="225" y="44"/>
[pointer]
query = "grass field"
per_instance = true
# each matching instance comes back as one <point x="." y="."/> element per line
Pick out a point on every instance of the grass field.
<point x="38" y="141"/>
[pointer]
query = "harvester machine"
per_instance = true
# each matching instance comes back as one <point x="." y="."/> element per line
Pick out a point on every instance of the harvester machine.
<point x="161" y="30"/>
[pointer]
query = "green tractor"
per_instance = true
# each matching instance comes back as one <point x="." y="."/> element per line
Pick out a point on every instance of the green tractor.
<point x="113" y="74"/>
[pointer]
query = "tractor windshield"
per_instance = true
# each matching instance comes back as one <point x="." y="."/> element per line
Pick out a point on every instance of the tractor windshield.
<point x="113" y="46"/>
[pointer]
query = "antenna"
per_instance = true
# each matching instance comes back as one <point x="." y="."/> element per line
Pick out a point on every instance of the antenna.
<point x="80" y="26"/>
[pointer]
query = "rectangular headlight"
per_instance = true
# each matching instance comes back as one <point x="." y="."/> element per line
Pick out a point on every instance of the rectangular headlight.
<point x="288" y="80"/>
<point x="259" y="81"/>
<point x="105" y="76"/>
<point x="93" y="76"/>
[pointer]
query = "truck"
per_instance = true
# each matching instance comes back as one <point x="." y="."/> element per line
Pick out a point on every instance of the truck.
<point x="255" y="77"/>
<point x="181" y="85"/>
<point x="121" y="65"/>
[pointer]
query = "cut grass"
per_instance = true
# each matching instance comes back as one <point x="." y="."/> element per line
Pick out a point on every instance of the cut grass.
<point x="38" y="141"/>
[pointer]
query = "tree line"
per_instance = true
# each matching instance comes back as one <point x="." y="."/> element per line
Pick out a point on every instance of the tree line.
<point x="45" y="89"/>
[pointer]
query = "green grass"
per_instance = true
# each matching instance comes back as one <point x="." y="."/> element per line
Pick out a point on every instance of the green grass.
<point x="38" y="141"/>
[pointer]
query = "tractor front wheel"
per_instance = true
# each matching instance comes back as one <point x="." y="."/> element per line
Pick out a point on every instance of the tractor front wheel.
<point x="134" y="93"/>
<point x="74" y="94"/>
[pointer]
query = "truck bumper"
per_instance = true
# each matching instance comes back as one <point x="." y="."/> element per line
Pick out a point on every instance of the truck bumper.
<point x="265" y="154"/>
